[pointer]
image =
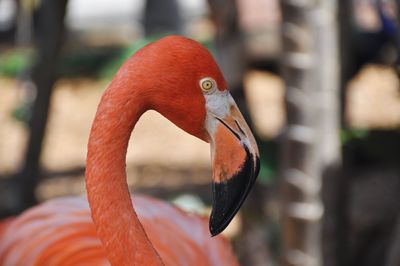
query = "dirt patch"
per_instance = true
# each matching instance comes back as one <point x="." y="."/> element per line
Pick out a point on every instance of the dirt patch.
<point x="373" y="99"/>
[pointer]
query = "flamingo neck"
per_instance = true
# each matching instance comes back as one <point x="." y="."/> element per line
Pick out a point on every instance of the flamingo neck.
<point x="115" y="219"/>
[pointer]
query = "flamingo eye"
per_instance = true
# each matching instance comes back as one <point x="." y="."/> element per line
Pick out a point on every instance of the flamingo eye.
<point x="207" y="84"/>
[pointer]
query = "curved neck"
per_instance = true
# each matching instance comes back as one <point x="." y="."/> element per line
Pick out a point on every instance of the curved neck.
<point x="117" y="224"/>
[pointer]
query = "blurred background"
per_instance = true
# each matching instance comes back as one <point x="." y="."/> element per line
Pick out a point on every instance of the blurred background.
<point x="318" y="80"/>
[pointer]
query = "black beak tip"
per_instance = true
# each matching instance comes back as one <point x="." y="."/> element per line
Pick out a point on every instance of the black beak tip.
<point x="230" y="195"/>
<point x="215" y="230"/>
<point x="219" y="221"/>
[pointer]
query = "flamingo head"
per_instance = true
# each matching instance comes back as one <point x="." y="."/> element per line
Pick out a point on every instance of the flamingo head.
<point x="186" y="86"/>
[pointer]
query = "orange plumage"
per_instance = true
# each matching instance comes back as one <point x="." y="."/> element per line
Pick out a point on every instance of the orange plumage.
<point x="61" y="232"/>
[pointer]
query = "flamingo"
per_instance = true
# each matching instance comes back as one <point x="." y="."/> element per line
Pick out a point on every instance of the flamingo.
<point x="178" y="78"/>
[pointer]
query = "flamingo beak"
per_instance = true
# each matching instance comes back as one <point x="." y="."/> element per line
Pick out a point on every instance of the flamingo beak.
<point x="236" y="164"/>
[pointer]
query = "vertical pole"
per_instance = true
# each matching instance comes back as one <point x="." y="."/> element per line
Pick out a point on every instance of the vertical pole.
<point x="311" y="138"/>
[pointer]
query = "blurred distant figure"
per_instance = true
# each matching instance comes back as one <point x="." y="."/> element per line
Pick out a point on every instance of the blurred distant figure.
<point x="376" y="31"/>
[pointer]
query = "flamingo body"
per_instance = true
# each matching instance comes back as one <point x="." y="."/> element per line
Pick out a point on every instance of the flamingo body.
<point x="61" y="232"/>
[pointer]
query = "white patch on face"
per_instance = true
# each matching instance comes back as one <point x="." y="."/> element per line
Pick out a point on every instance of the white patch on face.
<point x="217" y="105"/>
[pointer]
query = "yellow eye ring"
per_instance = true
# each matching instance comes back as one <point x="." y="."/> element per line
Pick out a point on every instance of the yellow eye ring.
<point x="207" y="84"/>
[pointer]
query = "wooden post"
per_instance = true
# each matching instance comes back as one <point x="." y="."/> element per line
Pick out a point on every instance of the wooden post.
<point x="311" y="139"/>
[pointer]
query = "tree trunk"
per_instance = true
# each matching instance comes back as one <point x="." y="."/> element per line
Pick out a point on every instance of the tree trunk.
<point x="49" y="39"/>
<point x="311" y="139"/>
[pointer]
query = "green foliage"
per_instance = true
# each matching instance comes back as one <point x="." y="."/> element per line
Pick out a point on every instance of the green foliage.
<point x="347" y="135"/>
<point x="86" y="61"/>
<point x="267" y="172"/>
<point x="22" y="112"/>
<point x="268" y="160"/>
<point x="15" y="61"/>
<point x="109" y="70"/>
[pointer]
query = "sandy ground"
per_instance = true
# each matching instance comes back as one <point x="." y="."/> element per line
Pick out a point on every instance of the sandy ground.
<point x="373" y="99"/>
